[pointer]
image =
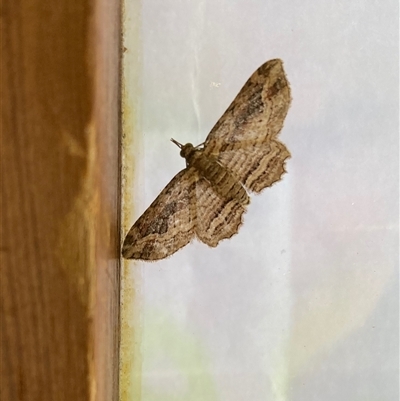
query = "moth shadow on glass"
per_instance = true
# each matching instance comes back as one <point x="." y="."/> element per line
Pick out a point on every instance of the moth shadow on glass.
<point x="241" y="155"/>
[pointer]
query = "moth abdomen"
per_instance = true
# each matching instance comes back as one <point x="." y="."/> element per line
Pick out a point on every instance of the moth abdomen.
<point x="220" y="178"/>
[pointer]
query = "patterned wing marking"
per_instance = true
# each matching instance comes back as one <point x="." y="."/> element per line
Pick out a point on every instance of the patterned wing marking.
<point x="168" y="223"/>
<point x="256" y="115"/>
<point x="256" y="168"/>
<point x="217" y="218"/>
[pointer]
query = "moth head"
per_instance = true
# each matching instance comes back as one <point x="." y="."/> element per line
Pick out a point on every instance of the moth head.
<point x="186" y="150"/>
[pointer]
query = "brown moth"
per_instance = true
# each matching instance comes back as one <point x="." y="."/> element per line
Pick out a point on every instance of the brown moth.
<point x="208" y="198"/>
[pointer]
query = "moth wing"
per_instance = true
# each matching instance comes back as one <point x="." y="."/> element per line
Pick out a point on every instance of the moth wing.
<point x="244" y="138"/>
<point x="168" y="223"/>
<point x="217" y="217"/>
<point x="257" y="113"/>
<point x="256" y="169"/>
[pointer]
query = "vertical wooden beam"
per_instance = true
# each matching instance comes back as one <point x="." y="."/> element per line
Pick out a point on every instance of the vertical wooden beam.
<point x="59" y="200"/>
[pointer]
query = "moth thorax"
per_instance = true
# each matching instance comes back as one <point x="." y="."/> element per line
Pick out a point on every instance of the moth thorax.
<point x="187" y="150"/>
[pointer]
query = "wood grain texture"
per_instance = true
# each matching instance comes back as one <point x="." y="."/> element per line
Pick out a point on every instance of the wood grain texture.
<point x="59" y="200"/>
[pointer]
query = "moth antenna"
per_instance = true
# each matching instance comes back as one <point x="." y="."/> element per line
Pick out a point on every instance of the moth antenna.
<point x="176" y="143"/>
<point x="202" y="144"/>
